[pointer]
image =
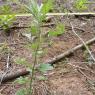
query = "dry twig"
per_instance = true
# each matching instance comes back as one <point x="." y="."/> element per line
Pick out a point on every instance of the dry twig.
<point x="61" y="14"/>
<point x="82" y="42"/>
<point x="8" y="60"/>
<point x="61" y="56"/>
<point x="82" y="68"/>
<point x="13" y="75"/>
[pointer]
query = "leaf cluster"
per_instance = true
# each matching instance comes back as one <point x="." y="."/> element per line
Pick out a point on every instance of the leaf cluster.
<point x="6" y="21"/>
<point x="80" y="4"/>
<point x="39" y="11"/>
<point x="60" y="29"/>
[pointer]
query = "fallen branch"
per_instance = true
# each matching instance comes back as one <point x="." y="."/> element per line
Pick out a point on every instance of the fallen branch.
<point x="14" y="75"/>
<point x="59" y="14"/>
<point x="70" y="51"/>
<point x="82" y="42"/>
<point x="22" y="27"/>
<point x="90" y="3"/>
<point x="50" y="25"/>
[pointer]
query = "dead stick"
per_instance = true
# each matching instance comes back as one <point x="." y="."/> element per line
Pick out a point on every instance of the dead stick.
<point x="82" y="42"/>
<point x="49" y="25"/>
<point x="22" y="27"/>
<point x="14" y="75"/>
<point x="58" y="14"/>
<point x="61" y="56"/>
<point x="89" y="3"/>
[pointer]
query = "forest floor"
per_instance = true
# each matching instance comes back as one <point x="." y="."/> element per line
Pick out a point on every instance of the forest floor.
<point x="67" y="77"/>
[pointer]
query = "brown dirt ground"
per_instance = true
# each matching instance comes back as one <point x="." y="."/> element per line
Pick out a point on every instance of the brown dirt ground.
<point x="65" y="79"/>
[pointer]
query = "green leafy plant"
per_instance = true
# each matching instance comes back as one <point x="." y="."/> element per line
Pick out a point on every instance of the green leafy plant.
<point x="6" y="22"/>
<point x="60" y="29"/>
<point x="80" y="4"/>
<point x="39" y="14"/>
<point x="5" y="9"/>
<point x="7" y="17"/>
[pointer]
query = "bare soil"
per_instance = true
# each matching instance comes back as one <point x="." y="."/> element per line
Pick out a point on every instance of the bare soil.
<point x="65" y="79"/>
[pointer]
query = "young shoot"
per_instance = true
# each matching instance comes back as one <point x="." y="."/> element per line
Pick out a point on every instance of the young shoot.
<point x="6" y="22"/>
<point x="81" y="4"/>
<point x="39" y="14"/>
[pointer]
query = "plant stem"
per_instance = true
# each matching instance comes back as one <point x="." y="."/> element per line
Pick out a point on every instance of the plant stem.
<point x="33" y="71"/>
<point x="35" y="59"/>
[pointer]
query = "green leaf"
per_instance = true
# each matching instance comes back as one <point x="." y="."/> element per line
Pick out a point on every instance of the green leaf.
<point x="5" y="9"/>
<point x="33" y="8"/>
<point x="22" y="80"/>
<point x="47" y="6"/>
<point x="80" y="4"/>
<point x="34" y="45"/>
<point x="45" y="67"/>
<point x="6" y="21"/>
<point x="60" y="29"/>
<point x="52" y="33"/>
<point x="34" y="30"/>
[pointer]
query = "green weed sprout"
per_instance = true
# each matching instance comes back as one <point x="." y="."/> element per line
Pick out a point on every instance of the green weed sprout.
<point x="6" y="22"/>
<point x="5" y="9"/>
<point x="80" y="4"/>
